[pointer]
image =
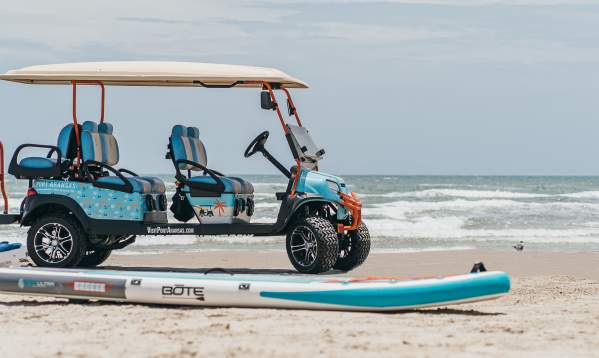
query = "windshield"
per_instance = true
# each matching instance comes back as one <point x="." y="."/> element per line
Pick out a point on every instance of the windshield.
<point x="303" y="147"/>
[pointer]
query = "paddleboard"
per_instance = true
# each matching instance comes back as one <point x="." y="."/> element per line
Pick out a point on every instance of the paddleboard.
<point x="6" y="246"/>
<point x="255" y="290"/>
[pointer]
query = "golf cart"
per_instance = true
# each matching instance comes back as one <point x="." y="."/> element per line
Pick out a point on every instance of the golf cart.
<point x="79" y="206"/>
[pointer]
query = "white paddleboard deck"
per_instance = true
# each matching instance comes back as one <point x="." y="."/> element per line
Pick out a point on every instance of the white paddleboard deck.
<point x="252" y="290"/>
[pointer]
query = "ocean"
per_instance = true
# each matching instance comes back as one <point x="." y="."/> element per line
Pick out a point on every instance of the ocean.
<point x="419" y="213"/>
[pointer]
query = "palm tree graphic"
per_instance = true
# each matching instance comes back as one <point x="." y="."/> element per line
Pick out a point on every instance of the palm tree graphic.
<point x="220" y="207"/>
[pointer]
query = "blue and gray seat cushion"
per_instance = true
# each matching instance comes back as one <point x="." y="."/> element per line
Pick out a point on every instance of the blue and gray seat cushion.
<point x="65" y="144"/>
<point x="156" y="184"/>
<point x="37" y="163"/>
<point x="232" y="184"/>
<point x="139" y="185"/>
<point x="186" y="145"/>
<point x="98" y="144"/>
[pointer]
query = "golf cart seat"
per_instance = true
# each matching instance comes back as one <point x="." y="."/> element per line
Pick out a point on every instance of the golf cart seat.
<point x="99" y="148"/>
<point x="232" y="184"/>
<point x="53" y="164"/>
<point x="188" y="153"/>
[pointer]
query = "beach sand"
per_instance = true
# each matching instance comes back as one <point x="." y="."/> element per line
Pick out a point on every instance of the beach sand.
<point x="552" y="310"/>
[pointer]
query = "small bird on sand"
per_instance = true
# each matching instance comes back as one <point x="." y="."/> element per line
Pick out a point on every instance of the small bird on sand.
<point x="519" y="246"/>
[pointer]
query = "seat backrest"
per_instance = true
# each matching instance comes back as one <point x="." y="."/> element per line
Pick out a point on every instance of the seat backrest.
<point x="186" y="144"/>
<point x="67" y="143"/>
<point x="98" y="143"/>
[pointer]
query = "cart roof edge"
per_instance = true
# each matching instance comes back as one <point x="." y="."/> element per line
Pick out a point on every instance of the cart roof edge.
<point x="153" y="73"/>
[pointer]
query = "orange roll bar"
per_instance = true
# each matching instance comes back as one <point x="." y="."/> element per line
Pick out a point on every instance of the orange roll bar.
<point x="75" y="122"/>
<point x="282" y="120"/>
<point x="274" y="100"/>
<point x="297" y="118"/>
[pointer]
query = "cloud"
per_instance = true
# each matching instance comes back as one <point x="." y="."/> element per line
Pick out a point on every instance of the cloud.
<point x="133" y="27"/>
<point x="154" y="20"/>
<point x="242" y="31"/>
<point x="369" y="33"/>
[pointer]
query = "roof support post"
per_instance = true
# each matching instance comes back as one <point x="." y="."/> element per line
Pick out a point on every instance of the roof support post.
<point x="274" y="100"/>
<point x="297" y="118"/>
<point x="75" y="122"/>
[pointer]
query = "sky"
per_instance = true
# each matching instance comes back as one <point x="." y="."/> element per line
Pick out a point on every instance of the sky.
<point x="452" y="87"/>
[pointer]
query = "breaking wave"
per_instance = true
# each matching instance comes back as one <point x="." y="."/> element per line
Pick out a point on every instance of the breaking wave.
<point x="408" y="214"/>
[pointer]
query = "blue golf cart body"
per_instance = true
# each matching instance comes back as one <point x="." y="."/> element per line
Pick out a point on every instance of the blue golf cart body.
<point x="80" y="206"/>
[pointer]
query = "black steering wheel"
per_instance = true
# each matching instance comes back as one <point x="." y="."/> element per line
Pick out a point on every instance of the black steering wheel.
<point x="256" y="145"/>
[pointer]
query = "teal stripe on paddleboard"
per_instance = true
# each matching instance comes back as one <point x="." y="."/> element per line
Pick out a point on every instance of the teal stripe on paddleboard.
<point x="405" y="296"/>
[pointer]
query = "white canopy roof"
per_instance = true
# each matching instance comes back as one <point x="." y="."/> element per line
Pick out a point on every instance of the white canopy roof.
<point x="146" y="73"/>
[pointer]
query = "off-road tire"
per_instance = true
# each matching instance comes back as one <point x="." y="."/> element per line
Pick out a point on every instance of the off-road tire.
<point x="359" y="248"/>
<point x="77" y="248"/>
<point x="326" y="247"/>
<point x="94" y="258"/>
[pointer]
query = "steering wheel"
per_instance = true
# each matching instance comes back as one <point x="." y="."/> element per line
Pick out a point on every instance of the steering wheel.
<point x="256" y="145"/>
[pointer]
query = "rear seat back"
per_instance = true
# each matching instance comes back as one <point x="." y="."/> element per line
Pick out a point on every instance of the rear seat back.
<point x="46" y="166"/>
<point x="186" y="144"/>
<point x="67" y="142"/>
<point x="98" y="143"/>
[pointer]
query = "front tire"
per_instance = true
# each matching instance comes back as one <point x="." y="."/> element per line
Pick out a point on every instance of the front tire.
<point x="312" y="245"/>
<point x="354" y="249"/>
<point x="56" y="241"/>
<point x="94" y="258"/>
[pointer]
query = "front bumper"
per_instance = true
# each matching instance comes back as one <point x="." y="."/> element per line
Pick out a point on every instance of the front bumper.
<point x="354" y="206"/>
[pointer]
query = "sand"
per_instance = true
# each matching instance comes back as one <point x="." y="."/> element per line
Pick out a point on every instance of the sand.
<point x="552" y="310"/>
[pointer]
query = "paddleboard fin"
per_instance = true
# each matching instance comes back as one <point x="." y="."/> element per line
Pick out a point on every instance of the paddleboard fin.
<point x="478" y="267"/>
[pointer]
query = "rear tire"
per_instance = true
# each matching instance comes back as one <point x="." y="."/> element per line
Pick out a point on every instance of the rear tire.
<point x="56" y="241"/>
<point x="312" y="245"/>
<point x="354" y="249"/>
<point x="94" y="258"/>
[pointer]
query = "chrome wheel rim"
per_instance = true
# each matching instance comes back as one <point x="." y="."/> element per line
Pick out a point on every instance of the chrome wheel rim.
<point x="303" y="246"/>
<point x="53" y="243"/>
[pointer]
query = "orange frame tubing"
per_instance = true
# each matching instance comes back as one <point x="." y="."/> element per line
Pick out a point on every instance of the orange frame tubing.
<point x="4" y="196"/>
<point x="297" y="118"/>
<point x="354" y="205"/>
<point x="75" y="122"/>
<point x="282" y="120"/>
<point x="274" y="100"/>
<point x="351" y="202"/>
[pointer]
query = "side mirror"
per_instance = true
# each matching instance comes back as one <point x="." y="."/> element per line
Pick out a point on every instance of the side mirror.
<point x="265" y="101"/>
<point x="290" y="108"/>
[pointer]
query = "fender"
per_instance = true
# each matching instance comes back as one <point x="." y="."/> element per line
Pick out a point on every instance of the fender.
<point x="32" y="205"/>
<point x="290" y="206"/>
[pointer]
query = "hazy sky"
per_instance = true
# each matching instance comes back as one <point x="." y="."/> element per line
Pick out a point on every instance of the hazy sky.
<point x="397" y="87"/>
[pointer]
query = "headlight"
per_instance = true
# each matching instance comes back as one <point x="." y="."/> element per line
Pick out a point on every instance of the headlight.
<point x="333" y="186"/>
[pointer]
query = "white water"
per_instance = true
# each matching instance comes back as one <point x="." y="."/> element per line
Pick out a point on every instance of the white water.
<point x="406" y="214"/>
